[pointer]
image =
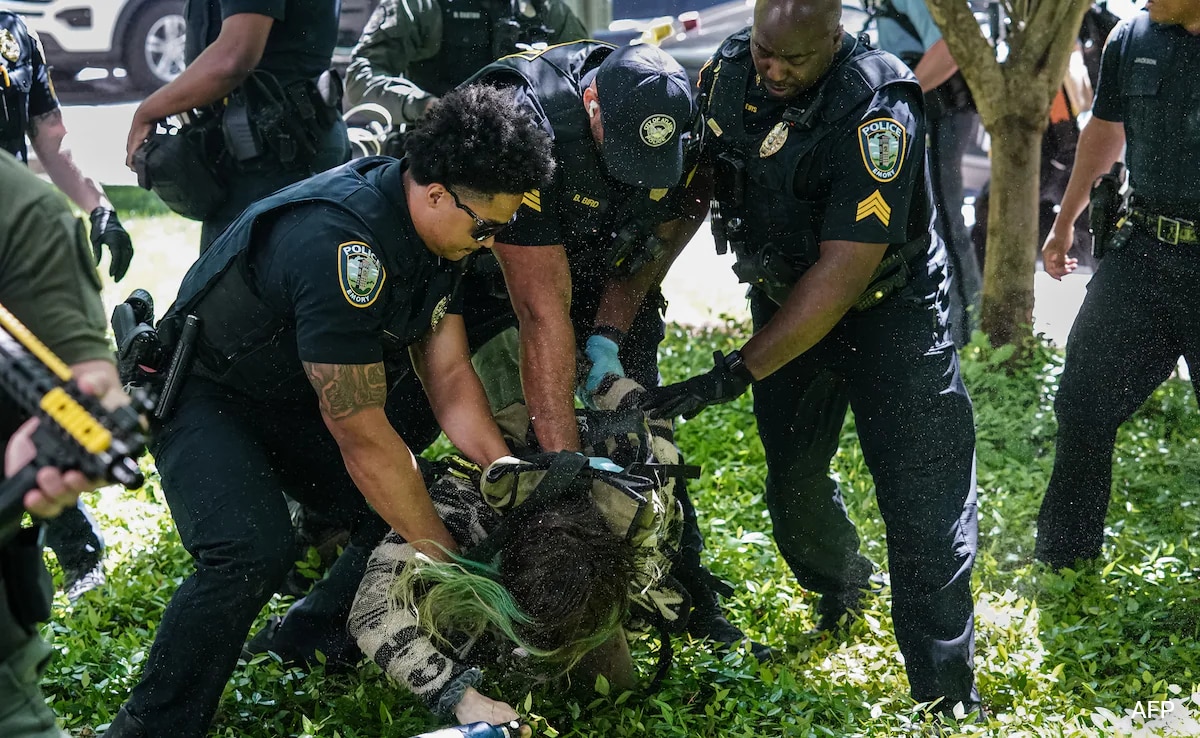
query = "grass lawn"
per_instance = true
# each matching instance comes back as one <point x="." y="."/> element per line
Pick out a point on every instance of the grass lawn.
<point x="1096" y="652"/>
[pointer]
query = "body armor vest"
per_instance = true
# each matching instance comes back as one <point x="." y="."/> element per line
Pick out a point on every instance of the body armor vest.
<point x="474" y="34"/>
<point x="16" y="58"/>
<point x="1161" y="102"/>
<point x="756" y="210"/>
<point x="248" y="344"/>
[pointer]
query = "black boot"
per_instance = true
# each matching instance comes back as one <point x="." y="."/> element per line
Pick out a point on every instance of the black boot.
<point x="125" y="725"/>
<point x="708" y="622"/>
<point x="837" y="611"/>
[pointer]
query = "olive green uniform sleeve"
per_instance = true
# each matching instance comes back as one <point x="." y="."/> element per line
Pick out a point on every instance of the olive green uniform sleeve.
<point x="566" y="25"/>
<point x="47" y="278"/>
<point x="403" y="32"/>
<point x="399" y="33"/>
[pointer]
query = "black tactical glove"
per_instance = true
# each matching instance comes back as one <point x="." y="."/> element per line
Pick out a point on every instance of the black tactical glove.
<point x="106" y="229"/>
<point x="728" y="379"/>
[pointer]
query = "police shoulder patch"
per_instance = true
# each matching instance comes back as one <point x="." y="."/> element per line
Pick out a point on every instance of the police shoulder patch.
<point x="360" y="273"/>
<point x="884" y="146"/>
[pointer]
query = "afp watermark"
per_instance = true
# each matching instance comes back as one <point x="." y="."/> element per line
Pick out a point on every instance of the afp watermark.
<point x="1151" y="717"/>
<point x="1158" y="709"/>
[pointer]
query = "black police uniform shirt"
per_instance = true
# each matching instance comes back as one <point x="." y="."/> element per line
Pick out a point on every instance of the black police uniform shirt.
<point x="26" y="91"/>
<point x="584" y="221"/>
<point x="1155" y="93"/>
<point x="843" y="177"/>
<point x="323" y="270"/>
<point x="299" y="46"/>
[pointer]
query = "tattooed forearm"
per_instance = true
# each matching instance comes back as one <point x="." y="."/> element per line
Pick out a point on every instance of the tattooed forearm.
<point x="38" y="123"/>
<point x="345" y="389"/>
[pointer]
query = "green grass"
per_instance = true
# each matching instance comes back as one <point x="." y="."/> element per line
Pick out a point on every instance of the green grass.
<point x="1071" y="654"/>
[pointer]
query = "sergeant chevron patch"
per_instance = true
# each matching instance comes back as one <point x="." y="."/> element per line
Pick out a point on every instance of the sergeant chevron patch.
<point x="877" y="206"/>
<point x="884" y="144"/>
<point x="532" y="200"/>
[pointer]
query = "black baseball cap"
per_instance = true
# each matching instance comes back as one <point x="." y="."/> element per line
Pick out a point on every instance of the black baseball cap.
<point x="645" y="107"/>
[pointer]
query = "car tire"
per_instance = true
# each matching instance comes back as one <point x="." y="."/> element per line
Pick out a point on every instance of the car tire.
<point x="153" y="51"/>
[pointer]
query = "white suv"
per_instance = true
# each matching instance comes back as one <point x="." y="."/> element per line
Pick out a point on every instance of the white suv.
<point x="144" y="37"/>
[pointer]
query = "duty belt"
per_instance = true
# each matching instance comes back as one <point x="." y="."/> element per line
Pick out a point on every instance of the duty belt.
<point x="1168" y="230"/>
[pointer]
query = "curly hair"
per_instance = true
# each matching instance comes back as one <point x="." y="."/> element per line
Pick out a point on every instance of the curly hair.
<point x="478" y="138"/>
<point x="560" y="587"/>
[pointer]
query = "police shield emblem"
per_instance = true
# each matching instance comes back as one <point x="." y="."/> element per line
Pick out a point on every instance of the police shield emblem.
<point x="884" y="144"/>
<point x="360" y="273"/>
<point x="774" y="140"/>
<point x="9" y="48"/>
<point x="657" y="130"/>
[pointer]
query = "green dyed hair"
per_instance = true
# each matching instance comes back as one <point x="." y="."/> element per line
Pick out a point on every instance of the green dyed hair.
<point x="558" y="588"/>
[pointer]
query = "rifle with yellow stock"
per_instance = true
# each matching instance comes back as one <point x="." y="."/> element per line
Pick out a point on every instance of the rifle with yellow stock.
<point x="74" y="432"/>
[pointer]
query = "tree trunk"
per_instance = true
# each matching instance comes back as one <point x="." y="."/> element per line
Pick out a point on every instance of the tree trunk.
<point x="1012" y="230"/>
<point x="1013" y="98"/>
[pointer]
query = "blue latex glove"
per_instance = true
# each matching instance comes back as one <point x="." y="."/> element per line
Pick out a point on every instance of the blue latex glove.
<point x="604" y="463"/>
<point x="602" y="353"/>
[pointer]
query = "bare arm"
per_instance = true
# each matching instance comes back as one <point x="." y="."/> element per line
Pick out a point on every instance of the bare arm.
<point x="936" y="66"/>
<point x="379" y="462"/>
<point x="539" y="285"/>
<point x="1100" y="145"/>
<point x="443" y="362"/>
<point x="816" y="303"/>
<point x="47" y="134"/>
<point x="216" y="72"/>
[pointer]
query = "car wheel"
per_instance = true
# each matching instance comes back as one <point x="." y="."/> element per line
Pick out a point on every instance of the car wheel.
<point x="154" y="45"/>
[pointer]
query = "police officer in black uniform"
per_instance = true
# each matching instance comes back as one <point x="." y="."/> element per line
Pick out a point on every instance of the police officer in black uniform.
<point x="30" y="107"/>
<point x="315" y="289"/>
<point x="286" y="123"/>
<point x="822" y="192"/>
<point x="1140" y="313"/>
<point x="583" y="263"/>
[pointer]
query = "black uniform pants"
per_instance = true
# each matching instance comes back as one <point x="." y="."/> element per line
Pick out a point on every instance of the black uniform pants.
<point x="225" y="464"/>
<point x="893" y="366"/>
<point x="1140" y="315"/>
<point x="949" y="136"/>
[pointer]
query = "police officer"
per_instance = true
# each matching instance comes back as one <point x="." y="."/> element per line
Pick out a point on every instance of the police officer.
<point x="413" y="51"/>
<point x="907" y="30"/>
<point x="257" y="48"/>
<point x="30" y="107"/>
<point x="583" y="263"/>
<point x="821" y="191"/>
<point x="48" y="281"/>
<point x="1140" y="313"/>
<point x="302" y="304"/>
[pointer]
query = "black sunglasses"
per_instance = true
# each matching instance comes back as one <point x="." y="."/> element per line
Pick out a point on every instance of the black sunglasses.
<point x="484" y="229"/>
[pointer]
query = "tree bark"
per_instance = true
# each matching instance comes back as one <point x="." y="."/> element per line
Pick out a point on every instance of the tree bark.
<point x="1012" y="231"/>
<point x="1013" y="98"/>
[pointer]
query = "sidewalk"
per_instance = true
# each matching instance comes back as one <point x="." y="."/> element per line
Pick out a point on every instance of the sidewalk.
<point x="701" y="287"/>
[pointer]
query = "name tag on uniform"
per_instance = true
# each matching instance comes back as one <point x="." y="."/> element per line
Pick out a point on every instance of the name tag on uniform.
<point x="582" y="199"/>
<point x="466" y="15"/>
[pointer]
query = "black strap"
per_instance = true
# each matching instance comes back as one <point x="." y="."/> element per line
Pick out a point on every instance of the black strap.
<point x="560" y="478"/>
<point x="666" y="657"/>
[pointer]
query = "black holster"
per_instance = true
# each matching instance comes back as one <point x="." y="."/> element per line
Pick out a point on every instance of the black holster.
<point x="179" y="163"/>
<point x="1107" y="209"/>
